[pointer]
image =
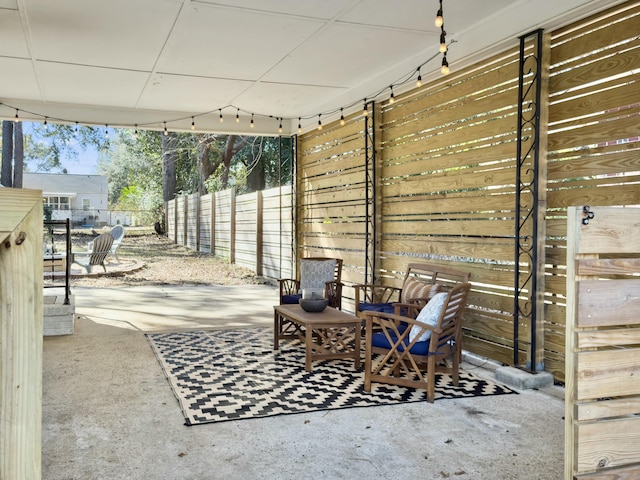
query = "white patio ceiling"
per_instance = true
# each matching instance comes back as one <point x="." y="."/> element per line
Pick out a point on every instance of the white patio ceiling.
<point x="146" y="62"/>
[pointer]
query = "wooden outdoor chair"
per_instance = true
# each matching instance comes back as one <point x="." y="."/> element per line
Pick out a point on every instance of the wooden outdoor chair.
<point x="100" y="248"/>
<point x="319" y="273"/>
<point x="411" y="350"/>
<point x="421" y="282"/>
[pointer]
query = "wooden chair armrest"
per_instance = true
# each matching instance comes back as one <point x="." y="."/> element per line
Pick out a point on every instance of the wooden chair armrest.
<point x="288" y="286"/>
<point x="333" y="291"/>
<point x="372" y="293"/>
<point x="388" y="322"/>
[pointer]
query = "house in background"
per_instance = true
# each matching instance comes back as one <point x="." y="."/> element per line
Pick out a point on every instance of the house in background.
<point x="81" y="198"/>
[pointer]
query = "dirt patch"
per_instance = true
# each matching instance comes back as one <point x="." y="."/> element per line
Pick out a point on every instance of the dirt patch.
<point x="165" y="263"/>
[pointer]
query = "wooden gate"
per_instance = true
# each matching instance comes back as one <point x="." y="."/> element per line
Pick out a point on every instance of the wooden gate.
<point x="602" y="421"/>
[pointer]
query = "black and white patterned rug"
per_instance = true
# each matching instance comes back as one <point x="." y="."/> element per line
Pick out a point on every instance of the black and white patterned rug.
<point x="235" y="374"/>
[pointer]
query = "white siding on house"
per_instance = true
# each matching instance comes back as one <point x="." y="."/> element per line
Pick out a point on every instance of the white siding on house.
<point x="87" y="194"/>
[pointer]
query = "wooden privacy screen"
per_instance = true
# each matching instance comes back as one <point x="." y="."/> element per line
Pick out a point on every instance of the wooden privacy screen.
<point x="594" y="148"/>
<point x="330" y="196"/>
<point x="602" y="418"/>
<point x="446" y="161"/>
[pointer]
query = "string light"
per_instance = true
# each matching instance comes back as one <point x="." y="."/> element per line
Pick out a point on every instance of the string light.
<point x="135" y="133"/>
<point x="46" y="126"/>
<point x="365" y="109"/>
<point x="106" y="131"/>
<point x="443" y="41"/>
<point x="445" y="65"/>
<point x="439" y="17"/>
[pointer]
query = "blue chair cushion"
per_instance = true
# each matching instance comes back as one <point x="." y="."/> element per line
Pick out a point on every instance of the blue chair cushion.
<point x="291" y="299"/>
<point x="376" y="307"/>
<point x="379" y="340"/>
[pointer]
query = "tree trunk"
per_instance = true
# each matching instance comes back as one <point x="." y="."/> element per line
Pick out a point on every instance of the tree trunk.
<point x="227" y="155"/>
<point x="168" y="168"/>
<point x="205" y="166"/>
<point x="7" y="153"/>
<point x="233" y="146"/>
<point x="255" y="179"/>
<point x="18" y="155"/>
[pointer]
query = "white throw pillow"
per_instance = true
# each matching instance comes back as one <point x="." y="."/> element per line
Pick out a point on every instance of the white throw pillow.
<point x="314" y="274"/>
<point x="430" y="315"/>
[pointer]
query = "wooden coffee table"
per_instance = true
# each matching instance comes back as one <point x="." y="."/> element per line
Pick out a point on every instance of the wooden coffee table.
<point x="327" y="335"/>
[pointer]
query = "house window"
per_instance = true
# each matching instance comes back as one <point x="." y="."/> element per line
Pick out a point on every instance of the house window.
<point x="58" y="203"/>
<point x="86" y="204"/>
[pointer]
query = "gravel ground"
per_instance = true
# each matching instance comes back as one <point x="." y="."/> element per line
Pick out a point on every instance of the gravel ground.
<point x="165" y="263"/>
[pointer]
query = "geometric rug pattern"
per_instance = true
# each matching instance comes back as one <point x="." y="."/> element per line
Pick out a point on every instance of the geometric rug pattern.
<point x="223" y="375"/>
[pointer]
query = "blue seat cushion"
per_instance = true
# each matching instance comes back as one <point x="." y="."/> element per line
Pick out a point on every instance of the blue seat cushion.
<point x="291" y="299"/>
<point x="376" y="307"/>
<point x="379" y="340"/>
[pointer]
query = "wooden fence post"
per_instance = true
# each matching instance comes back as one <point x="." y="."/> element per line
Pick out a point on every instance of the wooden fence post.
<point x="259" y="230"/>
<point x="198" y="200"/>
<point x="185" y="223"/>
<point x="232" y="226"/>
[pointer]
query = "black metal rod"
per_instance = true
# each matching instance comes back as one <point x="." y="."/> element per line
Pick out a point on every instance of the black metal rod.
<point x="531" y="216"/>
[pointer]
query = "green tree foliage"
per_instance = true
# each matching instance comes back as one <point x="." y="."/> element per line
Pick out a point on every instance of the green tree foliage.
<point x="134" y="169"/>
<point x="46" y="146"/>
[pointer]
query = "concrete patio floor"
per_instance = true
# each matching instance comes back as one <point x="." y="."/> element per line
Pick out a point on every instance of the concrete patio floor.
<point x="109" y="412"/>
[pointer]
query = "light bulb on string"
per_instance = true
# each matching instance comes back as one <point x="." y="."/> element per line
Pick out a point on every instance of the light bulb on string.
<point x="221" y="117"/>
<point x="135" y="133"/>
<point x="419" y="81"/>
<point x="46" y="125"/>
<point x="252" y="125"/>
<point x="443" y="42"/>
<point x="106" y="131"/>
<point x="445" y="65"/>
<point x="365" y="110"/>
<point x="439" y="17"/>
<point x="299" y="125"/>
<point x="238" y="116"/>
<point x="16" y="119"/>
<point x="280" y="126"/>
<point x="76" y="130"/>
<point x="319" y="122"/>
<point x="193" y="124"/>
<point x="341" y="117"/>
<point x="166" y="132"/>
<point x="392" y="98"/>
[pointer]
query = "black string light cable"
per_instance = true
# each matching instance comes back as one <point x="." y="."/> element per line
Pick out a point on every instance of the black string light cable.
<point x="443" y="40"/>
<point x="365" y="111"/>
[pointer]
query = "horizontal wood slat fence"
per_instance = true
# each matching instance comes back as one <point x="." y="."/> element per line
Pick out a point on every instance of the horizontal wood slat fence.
<point x="445" y="175"/>
<point x="252" y="230"/>
<point x="433" y="177"/>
